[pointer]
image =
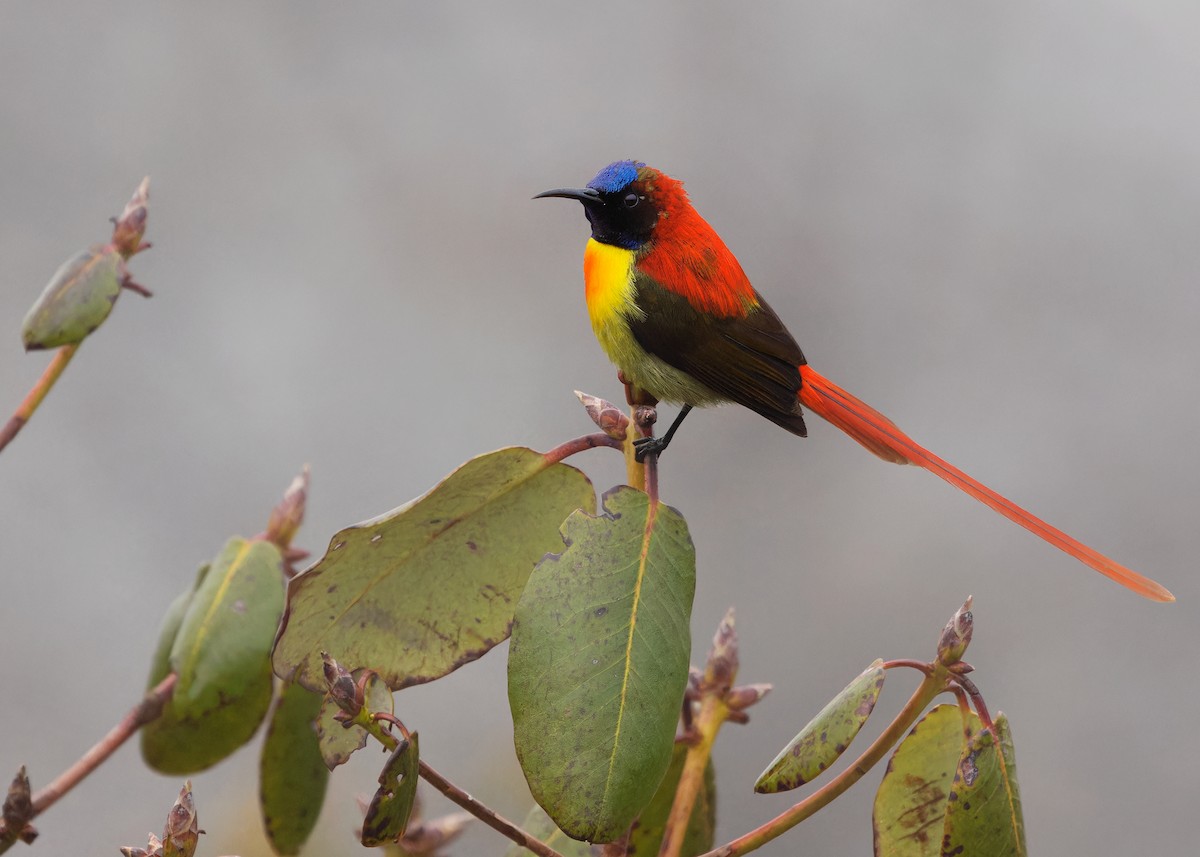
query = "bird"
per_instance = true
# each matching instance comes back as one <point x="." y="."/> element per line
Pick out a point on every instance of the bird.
<point x="673" y="309"/>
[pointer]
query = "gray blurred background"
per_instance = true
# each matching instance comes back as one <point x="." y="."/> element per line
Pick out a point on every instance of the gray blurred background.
<point x="978" y="217"/>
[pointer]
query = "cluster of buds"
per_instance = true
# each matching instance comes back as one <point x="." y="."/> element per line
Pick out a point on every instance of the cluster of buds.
<point x="720" y="671"/>
<point x="181" y="834"/>
<point x="18" y="812"/>
<point x="82" y="292"/>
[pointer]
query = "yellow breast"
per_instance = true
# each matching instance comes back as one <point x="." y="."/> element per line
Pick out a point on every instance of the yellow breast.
<point x="608" y="285"/>
<point x="611" y="300"/>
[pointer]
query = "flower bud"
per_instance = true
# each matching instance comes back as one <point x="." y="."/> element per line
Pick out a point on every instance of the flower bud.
<point x="287" y="517"/>
<point x="18" y="811"/>
<point x="722" y="666"/>
<point x="611" y="419"/>
<point x="129" y="228"/>
<point x="343" y="690"/>
<point x="182" y="831"/>
<point x="956" y="636"/>
<point x="743" y="696"/>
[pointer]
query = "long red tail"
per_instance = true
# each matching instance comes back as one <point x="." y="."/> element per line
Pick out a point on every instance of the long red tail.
<point x="880" y="435"/>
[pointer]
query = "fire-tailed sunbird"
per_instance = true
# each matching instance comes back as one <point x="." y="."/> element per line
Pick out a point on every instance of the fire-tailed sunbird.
<point x="674" y="311"/>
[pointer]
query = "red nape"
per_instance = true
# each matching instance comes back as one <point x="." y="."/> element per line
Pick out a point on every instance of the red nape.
<point x="687" y="256"/>
<point x="880" y="435"/>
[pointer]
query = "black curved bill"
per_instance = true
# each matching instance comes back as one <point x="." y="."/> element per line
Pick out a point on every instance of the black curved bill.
<point x="586" y="195"/>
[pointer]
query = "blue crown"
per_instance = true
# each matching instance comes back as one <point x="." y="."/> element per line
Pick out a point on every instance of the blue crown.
<point x="616" y="176"/>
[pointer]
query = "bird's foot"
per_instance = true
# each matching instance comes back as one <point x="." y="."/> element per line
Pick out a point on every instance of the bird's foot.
<point x="644" y="446"/>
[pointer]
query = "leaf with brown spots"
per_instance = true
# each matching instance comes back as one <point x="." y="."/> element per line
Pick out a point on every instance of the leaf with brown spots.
<point x="387" y="816"/>
<point x="910" y="806"/>
<point x="426" y="588"/>
<point x="599" y="662"/>
<point x="983" y="814"/>
<point x="826" y="736"/>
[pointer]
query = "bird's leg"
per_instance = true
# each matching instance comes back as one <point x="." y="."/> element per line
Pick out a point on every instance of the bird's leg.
<point x="644" y="446"/>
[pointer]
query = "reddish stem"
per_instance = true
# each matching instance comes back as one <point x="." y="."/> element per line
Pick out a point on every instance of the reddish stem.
<point x="976" y="699"/>
<point x="392" y="719"/>
<point x="919" y="666"/>
<point x="580" y="444"/>
<point x="652" y="478"/>
<point x="34" y="398"/>
<point x="485" y="814"/>
<point x="149" y="709"/>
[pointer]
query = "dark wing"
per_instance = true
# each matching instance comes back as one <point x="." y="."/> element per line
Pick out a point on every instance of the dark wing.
<point x="751" y="360"/>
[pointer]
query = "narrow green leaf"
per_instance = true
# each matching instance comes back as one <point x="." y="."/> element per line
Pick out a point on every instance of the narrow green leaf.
<point x="910" y="806"/>
<point x="387" y="816"/>
<point x="160" y="661"/>
<point x="220" y="653"/>
<point x="78" y="298"/>
<point x="599" y="662"/>
<point x="227" y="632"/>
<point x="292" y="775"/>
<point x="1008" y="757"/>
<point x="648" y="830"/>
<point x="983" y="814"/>
<point x="826" y="736"/>
<point x="432" y="585"/>
<point x="336" y="741"/>
<point x="541" y="826"/>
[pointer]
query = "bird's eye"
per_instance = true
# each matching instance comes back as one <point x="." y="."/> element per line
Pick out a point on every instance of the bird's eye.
<point x="631" y="199"/>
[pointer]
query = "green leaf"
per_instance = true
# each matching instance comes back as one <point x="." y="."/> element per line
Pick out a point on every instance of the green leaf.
<point x="220" y="653"/>
<point x="541" y="826"/>
<point x="292" y="775"/>
<point x="160" y="661"/>
<point x="599" y="662"/>
<point x="910" y="806"/>
<point x="79" y="297"/>
<point x="387" y="816"/>
<point x="648" y="830"/>
<point x="826" y="736"/>
<point x="983" y="815"/>
<point x="431" y="586"/>
<point x="337" y="742"/>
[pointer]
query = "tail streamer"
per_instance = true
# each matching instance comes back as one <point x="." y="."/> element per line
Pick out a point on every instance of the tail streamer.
<point x="882" y="437"/>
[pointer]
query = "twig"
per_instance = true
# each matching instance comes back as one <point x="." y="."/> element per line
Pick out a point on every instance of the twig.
<point x="924" y="694"/>
<point x="713" y="713"/>
<point x="579" y="444"/>
<point x="652" y="478"/>
<point x="485" y="814"/>
<point x="34" y="398"/>
<point x="642" y="475"/>
<point x="920" y="666"/>
<point x="374" y="725"/>
<point x="976" y="697"/>
<point x="392" y="719"/>
<point x="149" y="709"/>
